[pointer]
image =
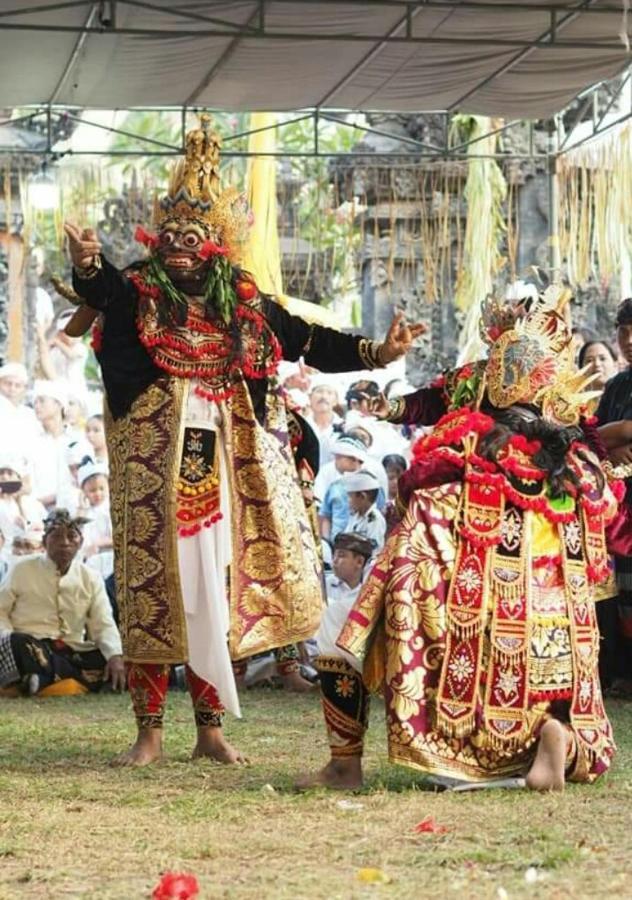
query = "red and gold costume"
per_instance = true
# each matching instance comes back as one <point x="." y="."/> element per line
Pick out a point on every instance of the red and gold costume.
<point x="214" y="553"/>
<point x="477" y="622"/>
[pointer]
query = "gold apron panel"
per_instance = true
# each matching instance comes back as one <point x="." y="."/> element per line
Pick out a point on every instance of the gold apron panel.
<point x="276" y="593"/>
<point x="145" y="447"/>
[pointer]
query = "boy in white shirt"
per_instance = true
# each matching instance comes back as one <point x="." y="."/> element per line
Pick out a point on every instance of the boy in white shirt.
<point x="366" y="520"/>
<point x="351" y="555"/>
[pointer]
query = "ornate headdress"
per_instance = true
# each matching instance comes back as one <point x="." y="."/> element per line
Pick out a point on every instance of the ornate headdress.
<point x="194" y="192"/>
<point x="531" y="357"/>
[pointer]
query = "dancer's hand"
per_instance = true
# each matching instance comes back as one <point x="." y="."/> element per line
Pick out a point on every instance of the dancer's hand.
<point x="621" y="456"/>
<point x="115" y="672"/>
<point x="379" y="406"/>
<point x="400" y="338"/>
<point x="83" y="246"/>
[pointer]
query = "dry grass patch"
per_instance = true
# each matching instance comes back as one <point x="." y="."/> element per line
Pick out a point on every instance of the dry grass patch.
<point x="71" y="827"/>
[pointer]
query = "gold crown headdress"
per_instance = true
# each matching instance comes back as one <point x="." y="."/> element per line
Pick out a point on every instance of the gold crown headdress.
<point x="194" y="192"/>
<point x="531" y="358"/>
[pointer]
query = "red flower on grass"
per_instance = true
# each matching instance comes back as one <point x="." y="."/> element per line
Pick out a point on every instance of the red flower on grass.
<point x="429" y="826"/>
<point x="176" y="886"/>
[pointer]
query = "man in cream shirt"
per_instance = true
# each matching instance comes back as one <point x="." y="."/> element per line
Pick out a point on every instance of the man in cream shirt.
<point x="56" y="622"/>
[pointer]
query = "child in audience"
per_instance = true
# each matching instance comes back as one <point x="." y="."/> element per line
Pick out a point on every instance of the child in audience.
<point x="366" y="520"/>
<point x="97" y="533"/>
<point x="395" y="466"/>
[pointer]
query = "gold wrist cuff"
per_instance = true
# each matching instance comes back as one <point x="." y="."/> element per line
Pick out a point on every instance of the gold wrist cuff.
<point x="369" y="353"/>
<point x="396" y="409"/>
<point x="91" y="271"/>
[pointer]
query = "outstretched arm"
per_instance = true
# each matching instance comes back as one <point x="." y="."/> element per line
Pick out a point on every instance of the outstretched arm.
<point x="422" y="407"/>
<point x="333" y="351"/>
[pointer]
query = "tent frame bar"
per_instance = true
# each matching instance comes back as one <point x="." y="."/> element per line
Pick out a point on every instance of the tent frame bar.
<point x="550" y="42"/>
<point x="421" y="150"/>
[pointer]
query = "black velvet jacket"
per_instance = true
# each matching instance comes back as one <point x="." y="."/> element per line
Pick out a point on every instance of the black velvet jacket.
<point x="128" y="369"/>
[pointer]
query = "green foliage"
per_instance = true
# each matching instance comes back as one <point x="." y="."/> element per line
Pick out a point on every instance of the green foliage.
<point x="316" y="210"/>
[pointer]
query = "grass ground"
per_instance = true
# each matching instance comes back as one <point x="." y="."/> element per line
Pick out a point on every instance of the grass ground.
<point x="71" y="827"/>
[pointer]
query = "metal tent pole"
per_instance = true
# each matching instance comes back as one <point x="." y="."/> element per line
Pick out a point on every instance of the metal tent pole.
<point x="555" y="261"/>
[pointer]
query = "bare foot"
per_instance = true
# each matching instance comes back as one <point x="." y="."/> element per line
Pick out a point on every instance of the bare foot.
<point x="146" y="750"/>
<point x="547" y="771"/>
<point x="296" y="684"/>
<point x="338" y="775"/>
<point x="212" y="744"/>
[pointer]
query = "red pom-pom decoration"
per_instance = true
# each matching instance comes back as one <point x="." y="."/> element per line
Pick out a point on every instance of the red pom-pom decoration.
<point x="209" y="249"/>
<point x="246" y="290"/>
<point x="145" y="237"/>
<point x="176" y="886"/>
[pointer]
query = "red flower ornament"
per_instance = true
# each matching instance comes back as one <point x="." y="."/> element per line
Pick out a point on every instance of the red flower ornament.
<point x="176" y="886"/>
<point x="145" y="237"/>
<point x="209" y="249"/>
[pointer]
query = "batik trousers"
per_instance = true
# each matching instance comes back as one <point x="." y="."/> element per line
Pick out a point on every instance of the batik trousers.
<point x="148" y="684"/>
<point x="345" y="703"/>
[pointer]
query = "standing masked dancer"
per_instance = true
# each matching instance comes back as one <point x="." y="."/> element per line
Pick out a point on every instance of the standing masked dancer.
<point x="214" y="555"/>
<point x="477" y="622"/>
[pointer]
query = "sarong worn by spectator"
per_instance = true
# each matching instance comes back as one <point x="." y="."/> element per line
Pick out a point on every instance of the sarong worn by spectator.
<point x="477" y="621"/>
<point x="201" y="468"/>
<point x="56" y="624"/>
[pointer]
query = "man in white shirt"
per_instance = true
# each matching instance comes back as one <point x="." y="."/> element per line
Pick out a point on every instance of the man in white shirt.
<point x="56" y="622"/>
<point x="51" y="475"/>
<point x="19" y="422"/>
<point x="324" y="420"/>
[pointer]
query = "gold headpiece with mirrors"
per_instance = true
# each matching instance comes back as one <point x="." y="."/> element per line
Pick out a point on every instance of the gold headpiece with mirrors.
<point x="531" y="358"/>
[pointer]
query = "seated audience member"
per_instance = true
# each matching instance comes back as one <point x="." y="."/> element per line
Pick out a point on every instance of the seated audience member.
<point x="351" y="554"/>
<point x="323" y="418"/>
<point x="372" y="463"/>
<point x="75" y="413"/>
<point x="55" y="618"/>
<point x="4" y="558"/>
<point x="64" y="357"/>
<point x="19" y="510"/>
<point x="71" y="497"/>
<point x="602" y="359"/>
<point x="360" y="394"/>
<point x="51" y="474"/>
<point x="394" y="466"/>
<point x="95" y="434"/>
<point x="27" y="541"/>
<point x="19" y="422"/>
<point x="614" y="414"/>
<point x="97" y="533"/>
<point x="365" y="518"/>
<point x="349" y="454"/>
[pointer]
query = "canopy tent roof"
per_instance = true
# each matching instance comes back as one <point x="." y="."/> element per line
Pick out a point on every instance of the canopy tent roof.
<point x="512" y="58"/>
